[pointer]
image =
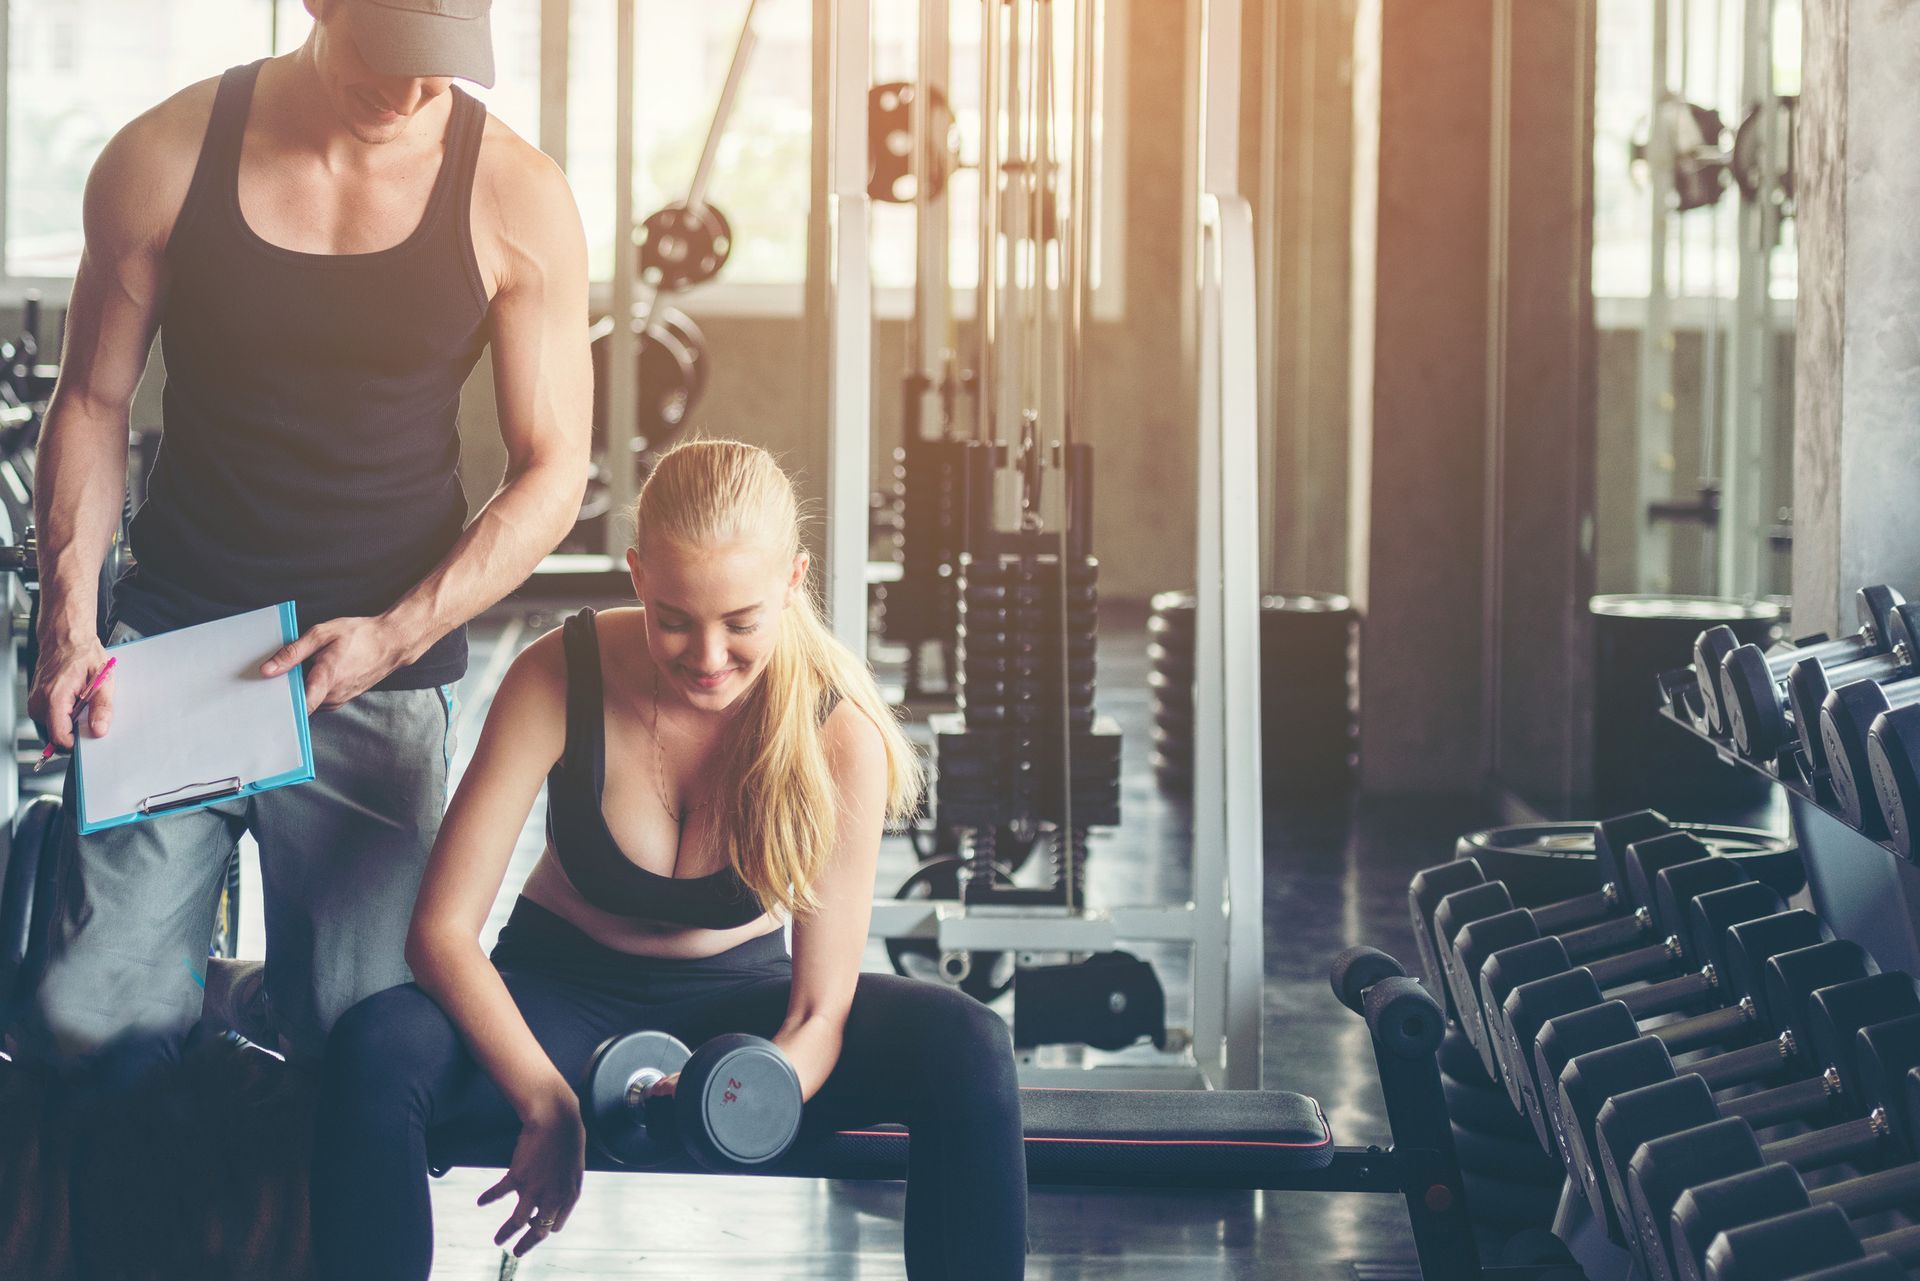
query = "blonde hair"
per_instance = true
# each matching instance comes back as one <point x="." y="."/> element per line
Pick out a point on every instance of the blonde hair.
<point x="776" y="813"/>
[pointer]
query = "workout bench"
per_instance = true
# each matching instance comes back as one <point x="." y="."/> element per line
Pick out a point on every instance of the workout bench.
<point x="1247" y="1139"/>
<point x="1230" y="1139"/>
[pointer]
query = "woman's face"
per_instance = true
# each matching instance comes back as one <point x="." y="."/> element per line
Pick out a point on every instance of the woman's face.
<point x="713" y="615"/>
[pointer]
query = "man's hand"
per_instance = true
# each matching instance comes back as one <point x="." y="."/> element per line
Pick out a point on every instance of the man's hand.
<point x="345" y="658"/>
<point x="67" y="665"/>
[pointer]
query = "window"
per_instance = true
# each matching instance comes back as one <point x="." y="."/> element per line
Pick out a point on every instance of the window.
<point x="1704" y="56"/>
<point x="761" y="175"/>
<point x="77" y="71"/>
<point x="80" y="69"/>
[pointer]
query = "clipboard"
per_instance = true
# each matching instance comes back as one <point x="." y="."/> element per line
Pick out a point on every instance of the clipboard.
<point x="194" y="723"/>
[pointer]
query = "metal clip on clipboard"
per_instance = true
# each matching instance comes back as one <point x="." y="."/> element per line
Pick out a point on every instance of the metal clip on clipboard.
<point x="190" y="794"/>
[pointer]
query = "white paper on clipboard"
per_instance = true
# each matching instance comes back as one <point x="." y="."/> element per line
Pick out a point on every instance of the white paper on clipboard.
<point x="194" y="721"/>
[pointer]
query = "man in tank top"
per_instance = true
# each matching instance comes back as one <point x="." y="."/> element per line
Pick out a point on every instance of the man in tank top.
<point x="325" y="242"/>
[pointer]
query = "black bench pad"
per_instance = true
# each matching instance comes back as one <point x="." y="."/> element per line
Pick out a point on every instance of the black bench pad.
<point x="1144" y="1138"/>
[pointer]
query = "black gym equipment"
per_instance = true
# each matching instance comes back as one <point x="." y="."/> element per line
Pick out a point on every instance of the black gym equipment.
<point x="1809" y="682"/>
<point x="1802" y="1243"/>
<point x="1748" y="685"/>
<point x="27" y="894"/>
<point x="1025" y="756"/>
<point x="1472" y="918"/>
<point x="1745" y="951"/>
<point x="1846" y="721"/>
<point x="1543" y="863"/>
<point x="1246" y="1139"/>
<point x="736" y="1104"/>
<point x="1879" y="1013"/>
<point x="1309" y="695"/>
<point x="1752" y="1196"/>
<point x="1753" y="690"/>
<point x="894" y="174"/>
<point x="1530" y="1005"/>
<point x="1598" y="1053"/>
<point x="1893" y="762"/>
<point x="1664" y="1168"/>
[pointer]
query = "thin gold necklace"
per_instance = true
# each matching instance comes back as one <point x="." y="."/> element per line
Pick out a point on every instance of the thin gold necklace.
<point x="681" y="814"/>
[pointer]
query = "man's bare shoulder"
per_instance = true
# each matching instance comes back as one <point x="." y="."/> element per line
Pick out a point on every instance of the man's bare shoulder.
<point x="523" y="205"/>
<point x="140" y="180"/>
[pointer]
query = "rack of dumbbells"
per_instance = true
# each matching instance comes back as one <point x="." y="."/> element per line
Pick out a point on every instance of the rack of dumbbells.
<point x="1833" y="722"/>
<point x="1716" y="1084"/>
<point x="1309" y="694"/>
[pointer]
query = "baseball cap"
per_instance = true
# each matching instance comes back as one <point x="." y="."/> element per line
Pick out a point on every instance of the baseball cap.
<point x="426" y="37"/>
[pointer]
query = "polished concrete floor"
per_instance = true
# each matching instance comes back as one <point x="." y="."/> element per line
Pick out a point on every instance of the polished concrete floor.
<point x="1331" y="881"/>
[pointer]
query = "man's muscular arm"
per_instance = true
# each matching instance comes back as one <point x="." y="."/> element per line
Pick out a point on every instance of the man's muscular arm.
<point x="527" y="231"/>
<point x="135" y="191"/>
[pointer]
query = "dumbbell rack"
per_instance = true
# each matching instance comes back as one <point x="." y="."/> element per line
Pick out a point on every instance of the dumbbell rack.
<point x="1855" y="880"/>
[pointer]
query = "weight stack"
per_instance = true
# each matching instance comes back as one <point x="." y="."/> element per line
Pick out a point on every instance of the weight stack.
<point x="1640" y="762"/>
<point x="929" y="491"/>
<point x="1026" y="703"/>
<point x="1309" y="694"/>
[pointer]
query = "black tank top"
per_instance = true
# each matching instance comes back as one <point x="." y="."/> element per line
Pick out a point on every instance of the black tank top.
<point x="310" y="448"/>
<point x="577" y="826"/>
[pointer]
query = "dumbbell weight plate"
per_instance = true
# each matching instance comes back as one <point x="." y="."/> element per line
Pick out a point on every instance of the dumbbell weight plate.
<point x="681" y="246"/>
<point x="619" y="1125"/>
<point x="738" y="1103"/>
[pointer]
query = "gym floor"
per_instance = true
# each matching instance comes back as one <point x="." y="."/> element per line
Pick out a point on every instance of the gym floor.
<point x="1332" y="880"/>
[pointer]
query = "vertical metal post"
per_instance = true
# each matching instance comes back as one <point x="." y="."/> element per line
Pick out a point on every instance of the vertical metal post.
<point x="556" y="51"/>
<point x="6" y="96"/>
<point x="1653" y="540"/>
<point x="623" y="372"/>
<point x="848" y="310"/>
<point x="986" y="328"/>
<point x="1746" y="486"/>
<point x="930" y="337"/>
<point x="1227" y="834"/>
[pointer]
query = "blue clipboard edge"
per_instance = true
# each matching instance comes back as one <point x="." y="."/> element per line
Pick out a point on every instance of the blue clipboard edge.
<point x="296" y="689"/>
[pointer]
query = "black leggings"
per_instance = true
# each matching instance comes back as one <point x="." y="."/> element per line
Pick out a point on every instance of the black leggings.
<point x="914" y="1053"/>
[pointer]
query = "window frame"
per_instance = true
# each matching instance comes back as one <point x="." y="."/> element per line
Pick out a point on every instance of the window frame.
<point x="722" y="298"/>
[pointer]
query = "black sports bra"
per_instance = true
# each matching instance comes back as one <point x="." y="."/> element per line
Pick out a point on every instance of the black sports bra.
<point x="577" y="826"/>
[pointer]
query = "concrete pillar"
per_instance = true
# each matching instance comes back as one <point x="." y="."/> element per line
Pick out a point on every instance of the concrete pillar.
<point x="1856" y="455"/>
<point x="1299" y="135"/>
<point x="1421" y="112"/>
<point x="1541" y="405"/>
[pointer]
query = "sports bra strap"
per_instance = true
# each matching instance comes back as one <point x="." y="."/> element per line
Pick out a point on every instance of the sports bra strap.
<point x="586" y="727"/>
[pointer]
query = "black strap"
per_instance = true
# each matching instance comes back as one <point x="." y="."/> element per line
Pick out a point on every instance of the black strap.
<point x="586" y="709"/>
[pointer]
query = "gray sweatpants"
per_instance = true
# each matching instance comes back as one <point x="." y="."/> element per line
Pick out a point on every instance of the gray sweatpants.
<point x="341" y="859"/>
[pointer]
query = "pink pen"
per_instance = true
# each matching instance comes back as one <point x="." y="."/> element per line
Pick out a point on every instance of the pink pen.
<point x="79" y="707"/>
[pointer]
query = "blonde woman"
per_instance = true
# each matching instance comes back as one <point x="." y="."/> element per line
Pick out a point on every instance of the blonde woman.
<point x="715" y="763"/>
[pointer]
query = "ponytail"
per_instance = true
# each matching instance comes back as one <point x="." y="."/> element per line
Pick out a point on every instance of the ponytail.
<point x="777" y="815"/>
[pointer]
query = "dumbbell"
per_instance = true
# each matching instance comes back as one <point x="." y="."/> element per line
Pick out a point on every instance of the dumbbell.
<point x="1714" y="646"/>
<point x="1479" y="939"/>
<point x="1804" y="1243"/>
<point x="1665" y="876"/>
<point x="1568" y="876"/>
<point x="1665" y="1167"/>
<point x="1751" y="1196"/>
<point x="1809" y="683"/>
<point x="1865" y="1033"/>
<point x="1893" y="763"/>
<point x="1751" y="682"/>
<point x="737" y="1103"/>
<point x="1846" y="722"/>
<point x="1598" y="1053"/>
<point x="1528" y="1007"/>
